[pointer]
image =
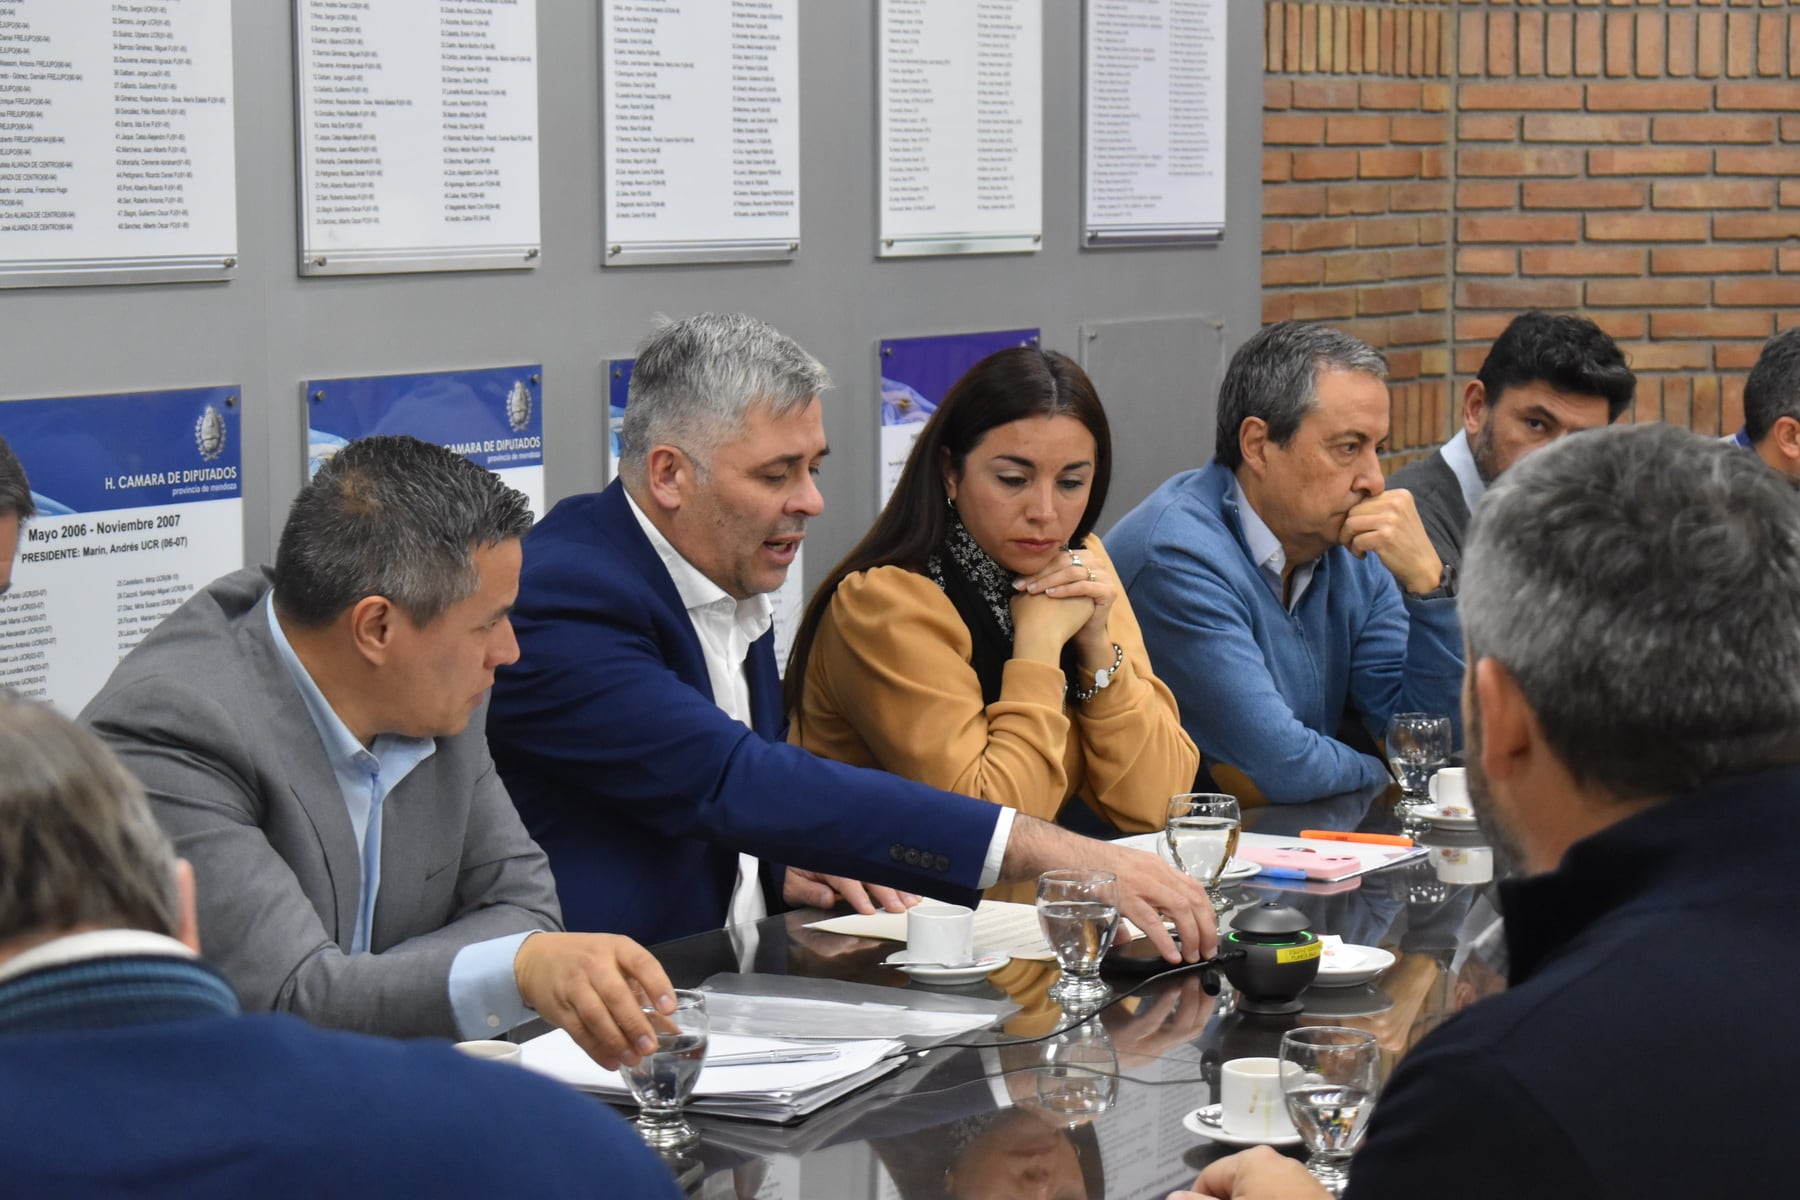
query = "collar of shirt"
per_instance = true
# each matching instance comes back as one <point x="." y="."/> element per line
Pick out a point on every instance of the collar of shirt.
<point x="1460" y="458"/>
<point x="1266" y="551"/>
<point x="705" y="600"/>
<point x="96" y="943"/>
<point x="391" y="758"/>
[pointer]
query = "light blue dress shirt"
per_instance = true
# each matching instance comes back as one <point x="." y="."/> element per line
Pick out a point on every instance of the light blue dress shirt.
<point x="1266" y="551"/>
<point x="1459" y="456"/>
<point x="484" y="993"/>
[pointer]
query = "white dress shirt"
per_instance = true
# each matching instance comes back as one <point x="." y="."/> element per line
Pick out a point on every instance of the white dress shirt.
<point x="1459" y="456"/>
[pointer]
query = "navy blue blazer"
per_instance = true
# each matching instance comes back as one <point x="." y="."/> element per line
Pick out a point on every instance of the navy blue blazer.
<point x="642" y="791"/>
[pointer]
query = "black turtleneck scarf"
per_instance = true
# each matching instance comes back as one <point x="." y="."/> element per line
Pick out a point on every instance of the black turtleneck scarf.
<point x="982" y="592"/>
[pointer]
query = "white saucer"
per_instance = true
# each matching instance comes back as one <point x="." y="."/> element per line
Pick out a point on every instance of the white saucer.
<point x="1239" y="868"/>
<point x="1450" y="816"/>
<point x="986" y="962"/>
<point x="1345" y="965"/>
<point x="1193" y="1124"/>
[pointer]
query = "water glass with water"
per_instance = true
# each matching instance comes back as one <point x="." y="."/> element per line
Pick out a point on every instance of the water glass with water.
<point x="1329" y="1077"/>
<point x="1078" y="1078"/>
<point x="1417" y="745"/>
<point x="1202" y="834"/>
<point x="663" y="1080"/>
<point x="1078" y="910"/>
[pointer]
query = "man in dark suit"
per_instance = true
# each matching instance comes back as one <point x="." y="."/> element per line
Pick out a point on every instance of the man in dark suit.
<point x="312" y="740"/>
<point x="1632" y="611"/>
<point x="1546" y="376"/>
<point x="641" y="731"/>
<point x="127" y="1069"/>
<point x="1772" y="406"/>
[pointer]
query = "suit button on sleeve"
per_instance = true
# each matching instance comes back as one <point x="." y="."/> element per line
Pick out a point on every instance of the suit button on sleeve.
<point x="942" y="863"/>
<point x="897" y="852"/>
<point x="912" y="858"/>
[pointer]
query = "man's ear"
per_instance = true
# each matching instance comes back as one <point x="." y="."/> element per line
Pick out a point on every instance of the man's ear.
<point x="1509" y="734"/>
<point x="1253" y="444"/>
<point x="1786" y="432"/>
<point x="668" y="476"/>
<point x="1474" y="408"/>
<point x="187" y="930"/>
<point x="373" y="621"/>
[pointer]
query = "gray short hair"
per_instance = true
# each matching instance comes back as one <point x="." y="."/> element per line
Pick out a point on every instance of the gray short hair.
<point x="1773" y="389"/>
<point x="15" y="489"/>
<point x="694" y="379"/>
<point x="1642" y="585"/>
<point x="394" y="517"/>
<point x="78" y="846"/>
<point x="1275" y="375"/>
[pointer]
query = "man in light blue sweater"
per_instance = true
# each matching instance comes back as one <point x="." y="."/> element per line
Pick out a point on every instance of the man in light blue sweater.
<point x="1282" y="588"/>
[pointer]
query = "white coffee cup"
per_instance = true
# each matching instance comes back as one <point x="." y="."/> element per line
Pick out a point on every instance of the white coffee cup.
<point x="1250" y="1100"/>
<point x="493" y="1051"/>
<point x="1463" y="864"/>
<point x="941" y="933"/>
<point x="1450" y="787"/>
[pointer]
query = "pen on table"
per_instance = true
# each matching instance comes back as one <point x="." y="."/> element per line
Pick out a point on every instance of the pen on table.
<point x="1281" y="873"/>
<point x="1374" y="839"/>
<point x="758" y="1057"/>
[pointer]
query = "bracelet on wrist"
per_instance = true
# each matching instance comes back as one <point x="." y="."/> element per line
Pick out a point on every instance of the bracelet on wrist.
<point x="1102" y="677"/>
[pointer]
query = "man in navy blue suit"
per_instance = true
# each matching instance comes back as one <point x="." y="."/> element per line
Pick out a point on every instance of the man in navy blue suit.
<point x="641" y="731"/>
<point x="127" y="1069"/>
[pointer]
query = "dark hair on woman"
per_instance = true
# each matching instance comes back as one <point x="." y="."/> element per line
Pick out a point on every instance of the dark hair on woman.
<point x="1006" y="386"/>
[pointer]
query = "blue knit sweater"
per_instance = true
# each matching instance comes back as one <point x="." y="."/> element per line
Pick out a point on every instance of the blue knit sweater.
<point x="1263" y="689"/>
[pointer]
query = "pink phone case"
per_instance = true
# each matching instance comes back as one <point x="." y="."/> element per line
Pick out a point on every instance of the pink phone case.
<point x="1318" y="864"/>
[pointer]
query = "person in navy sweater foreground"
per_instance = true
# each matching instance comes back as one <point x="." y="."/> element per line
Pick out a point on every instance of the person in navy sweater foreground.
<point x="1633" y="705"/>
<point x="127" y="1069"/>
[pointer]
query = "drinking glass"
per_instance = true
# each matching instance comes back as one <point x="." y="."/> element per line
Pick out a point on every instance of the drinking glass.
<point x="1417" y="745"/>
<point x="662" y="1081"/>
<point x="1329" y="1077"/>
<point x="1078" y="910"/>
<point x="1202" y="833"/>
<point x="1079" y="1075"/>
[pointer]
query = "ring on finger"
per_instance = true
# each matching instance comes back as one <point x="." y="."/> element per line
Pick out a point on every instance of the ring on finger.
<point x="1091" y="575"/>
<point x="1075" y="559"/>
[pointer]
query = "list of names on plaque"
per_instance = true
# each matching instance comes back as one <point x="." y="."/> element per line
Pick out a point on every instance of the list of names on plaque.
<point x="702" y="128"/>
<point x="1155" y="110"/>
<point x="116" y="149"/>
<point x="418" y="133"/>
<point x="962" y="116"/>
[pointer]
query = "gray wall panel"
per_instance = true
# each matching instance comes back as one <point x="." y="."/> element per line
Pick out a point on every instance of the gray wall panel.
<point x="269" y="329"/>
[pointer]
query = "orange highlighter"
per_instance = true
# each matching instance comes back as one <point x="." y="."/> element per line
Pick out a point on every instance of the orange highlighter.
<point x="1377" y="839"/>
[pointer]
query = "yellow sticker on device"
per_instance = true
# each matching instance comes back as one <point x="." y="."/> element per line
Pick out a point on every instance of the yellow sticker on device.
<point x="1300" y="953"/>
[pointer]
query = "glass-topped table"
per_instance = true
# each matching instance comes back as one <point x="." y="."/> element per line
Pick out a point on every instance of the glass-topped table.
<point x="987" y="1122"/>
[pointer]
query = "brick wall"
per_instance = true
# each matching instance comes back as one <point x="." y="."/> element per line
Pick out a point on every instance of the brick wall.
<point x="1356" y="187"/>
<point x="1637" y="162"/>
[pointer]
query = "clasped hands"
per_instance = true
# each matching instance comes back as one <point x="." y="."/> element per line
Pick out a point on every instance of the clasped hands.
<point x="1048" y="611"/>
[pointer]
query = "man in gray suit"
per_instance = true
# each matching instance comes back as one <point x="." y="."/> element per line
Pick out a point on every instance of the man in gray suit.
<point x="1544" y="377"/>
<point x="311" y="739"/>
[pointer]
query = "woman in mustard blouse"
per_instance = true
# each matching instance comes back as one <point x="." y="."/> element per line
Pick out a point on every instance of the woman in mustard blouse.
<point x="977" y="639"/>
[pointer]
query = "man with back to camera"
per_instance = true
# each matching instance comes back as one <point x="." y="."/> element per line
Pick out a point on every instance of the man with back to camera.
<point x="641" y="731"/>
<point x="1772" y="406"/>
<point x="312" y="740"/>
<point x="1282" y="588"/>
<point x="1544" y="377"/>
<point x="16" y="507"/>
<point x="1633" y="708"/>
<point x="127" y="1068"/>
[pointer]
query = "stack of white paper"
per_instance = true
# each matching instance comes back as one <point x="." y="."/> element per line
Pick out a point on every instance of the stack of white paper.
<point x="783" y="1091"/>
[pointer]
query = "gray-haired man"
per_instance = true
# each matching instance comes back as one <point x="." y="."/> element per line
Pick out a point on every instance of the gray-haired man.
<point x="311" y="739"/>
<point x="1284" y="591"/>
<point x="1633" y="706"/>
<point x="641" y="731"/>
<point x="16" y="507"/>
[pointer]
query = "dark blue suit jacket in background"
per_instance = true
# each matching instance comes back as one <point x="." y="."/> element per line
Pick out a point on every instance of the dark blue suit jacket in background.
<point x="642" y="791"/>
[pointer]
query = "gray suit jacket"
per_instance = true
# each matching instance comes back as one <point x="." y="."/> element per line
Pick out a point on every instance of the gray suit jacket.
<point x="1438" y="495"/>
<point x="204" y="712"/>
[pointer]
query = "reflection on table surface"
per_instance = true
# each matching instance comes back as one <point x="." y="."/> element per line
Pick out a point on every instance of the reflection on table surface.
<point x="1093" y="1110"/>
